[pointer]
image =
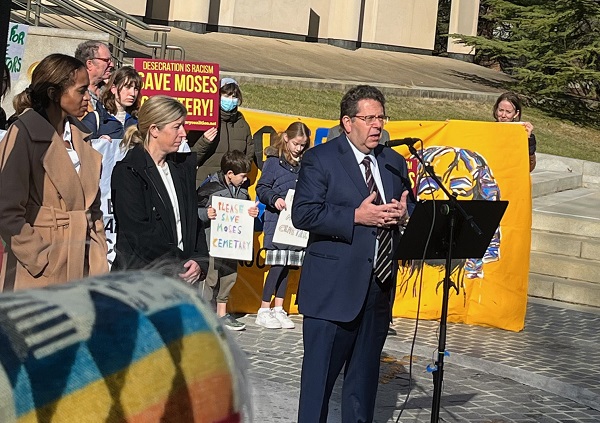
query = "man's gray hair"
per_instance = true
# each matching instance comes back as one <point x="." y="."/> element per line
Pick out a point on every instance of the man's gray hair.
<point x="87" y="50"/>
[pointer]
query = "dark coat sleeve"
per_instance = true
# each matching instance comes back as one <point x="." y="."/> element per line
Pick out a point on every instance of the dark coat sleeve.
<point x="264" y="187"/>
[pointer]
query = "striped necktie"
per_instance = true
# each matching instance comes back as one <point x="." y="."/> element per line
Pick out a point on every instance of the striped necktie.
<point x="383" y="267"/>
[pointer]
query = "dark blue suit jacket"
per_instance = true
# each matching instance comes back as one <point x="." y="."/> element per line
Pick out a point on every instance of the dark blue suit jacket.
<point x="337" y="267"/>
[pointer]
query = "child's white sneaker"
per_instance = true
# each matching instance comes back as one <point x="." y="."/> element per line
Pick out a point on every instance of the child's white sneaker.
<point x="284" y="320"/>
<point x="267" y="319"/>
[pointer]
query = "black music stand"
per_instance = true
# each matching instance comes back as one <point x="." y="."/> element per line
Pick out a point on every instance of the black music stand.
<point x="455" y="235"/>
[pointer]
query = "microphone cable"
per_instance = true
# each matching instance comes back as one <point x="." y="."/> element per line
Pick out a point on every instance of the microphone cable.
<point x="414" y="338"/>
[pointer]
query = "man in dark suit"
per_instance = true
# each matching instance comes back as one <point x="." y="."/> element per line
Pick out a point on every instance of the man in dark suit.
<point x="351" y="195"/>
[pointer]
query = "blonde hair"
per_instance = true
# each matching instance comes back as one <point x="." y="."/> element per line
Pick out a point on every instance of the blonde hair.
<point x="294" y="130"/>
<point x="159" y="110"/>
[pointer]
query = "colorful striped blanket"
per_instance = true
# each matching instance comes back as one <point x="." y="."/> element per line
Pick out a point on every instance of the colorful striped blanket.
<point x="129" y="347"/>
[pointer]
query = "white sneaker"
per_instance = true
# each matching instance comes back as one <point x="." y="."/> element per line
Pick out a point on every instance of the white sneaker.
<point x="282" y="317"/>
<point x="267" y="319"/>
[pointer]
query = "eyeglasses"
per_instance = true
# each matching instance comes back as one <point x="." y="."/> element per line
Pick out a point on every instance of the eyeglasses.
<point x="370" y="120"/>
<point x="104" y="59"/>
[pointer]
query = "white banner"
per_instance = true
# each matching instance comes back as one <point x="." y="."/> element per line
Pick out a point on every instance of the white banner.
<point x="111" y="154"/>
<point x="232" y="232"/>
<point x="285" y="232"/>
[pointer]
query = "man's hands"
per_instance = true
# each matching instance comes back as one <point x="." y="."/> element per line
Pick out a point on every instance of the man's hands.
<point x="383" y="215"/>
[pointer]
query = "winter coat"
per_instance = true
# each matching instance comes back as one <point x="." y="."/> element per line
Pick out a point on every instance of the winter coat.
<point x="278" y="176"/>
<point x="146" y="228"/>
<point x="234" y="134"/>
<point x="109" y="124"/>
<point x="215" y="186"/>
<point x="50" y="216"/>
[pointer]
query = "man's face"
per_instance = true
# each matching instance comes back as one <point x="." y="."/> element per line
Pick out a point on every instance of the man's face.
<point x="100" y="67"/>
<point x="364" y="129"/>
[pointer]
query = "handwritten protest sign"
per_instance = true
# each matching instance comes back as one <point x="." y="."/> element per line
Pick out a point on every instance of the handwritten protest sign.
<point x="194" y="84"/>
<point x="285" y="232"/>
<point x="232" y="232"/>
<point x="15" y="48"/>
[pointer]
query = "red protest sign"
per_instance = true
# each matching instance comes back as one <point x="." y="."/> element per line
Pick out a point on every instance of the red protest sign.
<point x="194" y="84"/>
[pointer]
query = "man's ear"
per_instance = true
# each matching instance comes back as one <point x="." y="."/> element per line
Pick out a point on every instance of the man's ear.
<point x="347" y="124"/>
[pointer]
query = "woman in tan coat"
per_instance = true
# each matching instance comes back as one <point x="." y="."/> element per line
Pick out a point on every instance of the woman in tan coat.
<point x="50" y="214"/>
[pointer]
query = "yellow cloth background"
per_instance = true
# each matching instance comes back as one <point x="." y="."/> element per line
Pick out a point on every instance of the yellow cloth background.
<point x="499" y="299"/>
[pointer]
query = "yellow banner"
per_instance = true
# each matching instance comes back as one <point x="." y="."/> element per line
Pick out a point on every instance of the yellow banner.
<point x="475" y="160"/>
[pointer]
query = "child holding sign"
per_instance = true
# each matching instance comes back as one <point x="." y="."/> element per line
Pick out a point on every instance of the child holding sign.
<point x="279" y="174"/>
<point x="222" y="272"/>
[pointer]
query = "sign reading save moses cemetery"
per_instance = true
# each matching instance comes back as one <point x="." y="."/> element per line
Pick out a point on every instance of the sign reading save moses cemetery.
<point x="232" y="232"/>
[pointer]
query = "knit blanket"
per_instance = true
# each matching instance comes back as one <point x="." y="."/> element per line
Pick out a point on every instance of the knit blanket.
<point x="122" y="347"/>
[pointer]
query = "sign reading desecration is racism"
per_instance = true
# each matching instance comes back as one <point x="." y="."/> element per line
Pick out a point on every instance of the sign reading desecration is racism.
<point x="232" y="232"/>
<point x="194" y="84"/>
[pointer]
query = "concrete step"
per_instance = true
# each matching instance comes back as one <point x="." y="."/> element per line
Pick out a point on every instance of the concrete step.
<point x="564" y="289"/>
<point x="590" y="171"/>
<point x="565" y="267"/>
<point x="573" y="212"/>
<point x="565" y="244"/>
<point x="544" y="182"/>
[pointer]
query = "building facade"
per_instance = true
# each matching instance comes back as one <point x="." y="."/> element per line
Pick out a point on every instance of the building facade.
<point x="398" y="25"/>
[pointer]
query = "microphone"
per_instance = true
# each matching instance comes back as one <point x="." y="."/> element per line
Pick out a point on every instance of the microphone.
<point x="403" y="141"/>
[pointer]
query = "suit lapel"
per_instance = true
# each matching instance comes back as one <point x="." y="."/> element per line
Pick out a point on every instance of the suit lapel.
<point x="176" y="173"/>
<point x="350" y="165"/>
<point x="165" y="204"/>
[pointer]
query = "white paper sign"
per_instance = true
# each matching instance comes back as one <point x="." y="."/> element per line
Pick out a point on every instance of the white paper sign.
<point x="232" y="232"/>
<point x="15" y="48"/>
<point x="111" y="154"/>
<point x="285" y="232"/>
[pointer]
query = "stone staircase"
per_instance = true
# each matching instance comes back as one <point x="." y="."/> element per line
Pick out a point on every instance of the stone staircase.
<point x="565" y="236"/>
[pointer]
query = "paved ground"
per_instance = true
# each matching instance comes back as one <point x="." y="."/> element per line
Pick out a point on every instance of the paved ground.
<point x="546" y="373"/>
<point x="298" y="63"/>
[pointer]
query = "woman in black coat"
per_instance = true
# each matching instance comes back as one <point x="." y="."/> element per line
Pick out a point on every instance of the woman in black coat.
<point x="154" y="196"/>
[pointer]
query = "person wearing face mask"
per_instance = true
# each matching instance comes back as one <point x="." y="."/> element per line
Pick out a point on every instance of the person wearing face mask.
<point x="508" y="109"/>
<point x="233" y="133"/>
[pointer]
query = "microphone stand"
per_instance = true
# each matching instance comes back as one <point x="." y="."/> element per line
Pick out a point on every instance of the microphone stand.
<point x="438" y="372"/>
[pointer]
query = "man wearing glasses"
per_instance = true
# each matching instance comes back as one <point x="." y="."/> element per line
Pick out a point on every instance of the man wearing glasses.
<point x="351" y="196"/>
<point x="96" y="57"/>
